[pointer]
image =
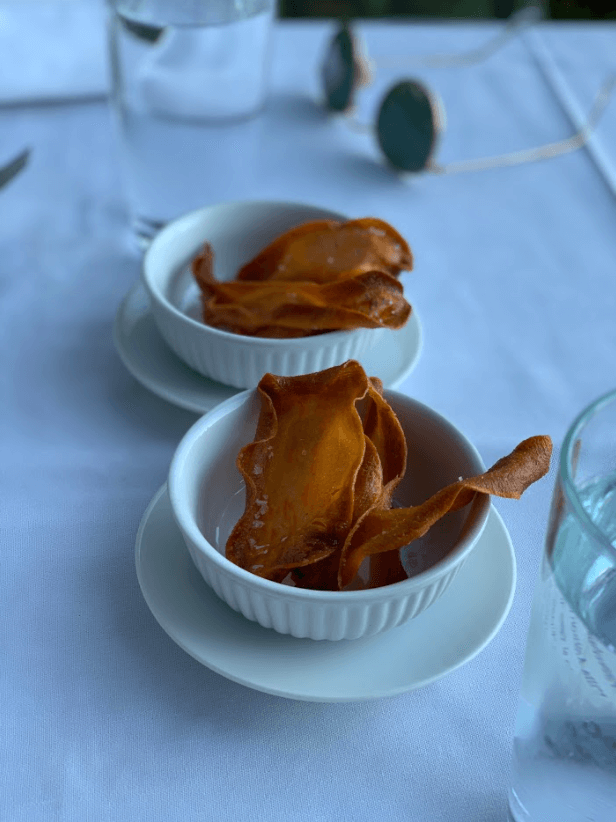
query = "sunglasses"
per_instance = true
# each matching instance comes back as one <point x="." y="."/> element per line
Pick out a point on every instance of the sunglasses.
<point x="347" y="67"/>
<point x="411" y="117"/>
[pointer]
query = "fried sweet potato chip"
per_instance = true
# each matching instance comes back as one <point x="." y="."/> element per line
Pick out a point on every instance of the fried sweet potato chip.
<point x="326" y="250"/>
<point x="320" y="474"/>
<point x="382" y="530"/>
<point x="273" y="308"/>
<point x="381" y="470"/>
<point x="382" y="428"/>
<point x="300" y="471"/>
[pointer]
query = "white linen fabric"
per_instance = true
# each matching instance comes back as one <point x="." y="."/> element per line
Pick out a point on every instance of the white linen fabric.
<point x="52" y="50"/>
<point x="559" y="52"/>
<point x="104" y="717"/>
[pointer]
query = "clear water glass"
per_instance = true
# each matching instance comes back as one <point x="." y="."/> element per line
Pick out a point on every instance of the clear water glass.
<point x="187" y="76"/>
<point x="564" y="757"/>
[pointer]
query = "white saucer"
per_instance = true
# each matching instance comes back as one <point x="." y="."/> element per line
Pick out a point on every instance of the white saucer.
<point x="148" y="358"/>
<point x="448" y="634"/>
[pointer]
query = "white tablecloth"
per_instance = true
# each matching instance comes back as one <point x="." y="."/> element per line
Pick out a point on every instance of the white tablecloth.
<point x="104" y="717"/>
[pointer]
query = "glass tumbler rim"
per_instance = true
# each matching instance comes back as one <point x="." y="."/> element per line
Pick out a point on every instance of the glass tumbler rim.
<point x="568" y="484"/>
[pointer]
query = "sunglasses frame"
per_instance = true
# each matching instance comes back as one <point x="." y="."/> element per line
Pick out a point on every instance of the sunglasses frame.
<point x="411" y="118"/>
<point x="410" y="109"/>
<point x="345" y="57"/>
<point x="409" y="104"/>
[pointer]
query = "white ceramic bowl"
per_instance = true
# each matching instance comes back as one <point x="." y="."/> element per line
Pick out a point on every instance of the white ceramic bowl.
<point x="237" y="232"/>
<point x="207" y="498"/>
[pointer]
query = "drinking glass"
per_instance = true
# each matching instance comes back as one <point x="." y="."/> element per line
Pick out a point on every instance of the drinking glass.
<point x="564" y="757"/>
<point x="186" y="76"/>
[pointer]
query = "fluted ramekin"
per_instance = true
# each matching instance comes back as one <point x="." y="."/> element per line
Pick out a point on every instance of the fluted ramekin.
<point x="206" y="493"/>
<point x="237" y="231"/>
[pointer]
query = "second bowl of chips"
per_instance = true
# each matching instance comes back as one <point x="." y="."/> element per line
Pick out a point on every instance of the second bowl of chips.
<point x="236" y="232"/>
<point x="207" y="498"/>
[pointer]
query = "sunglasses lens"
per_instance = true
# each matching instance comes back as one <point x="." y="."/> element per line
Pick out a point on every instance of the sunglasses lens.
<point x="338" y="72"/>
<point x="406" y="126"/>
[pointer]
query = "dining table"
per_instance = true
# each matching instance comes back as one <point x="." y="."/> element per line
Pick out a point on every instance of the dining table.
<point x="128" y="690"/>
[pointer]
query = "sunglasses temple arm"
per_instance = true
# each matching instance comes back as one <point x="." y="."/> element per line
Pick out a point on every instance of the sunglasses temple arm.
<point x="516" y="23"/>
<point x="544" y="152"/>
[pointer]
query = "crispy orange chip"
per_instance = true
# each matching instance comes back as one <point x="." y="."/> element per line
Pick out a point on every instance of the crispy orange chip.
<point x="381" y="470"/>
<point x="324" y="250"/>
<point x="320" y="474"/>
<point x="300" y="471"/>
<point x="281" y="309"/>
<point x="318" y="277"/>
<point x="387" y="530"/>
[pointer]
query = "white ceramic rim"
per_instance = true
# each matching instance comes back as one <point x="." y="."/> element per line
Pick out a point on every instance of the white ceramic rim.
<point x="154" y="292"/>
<point x="188" y="525"/>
